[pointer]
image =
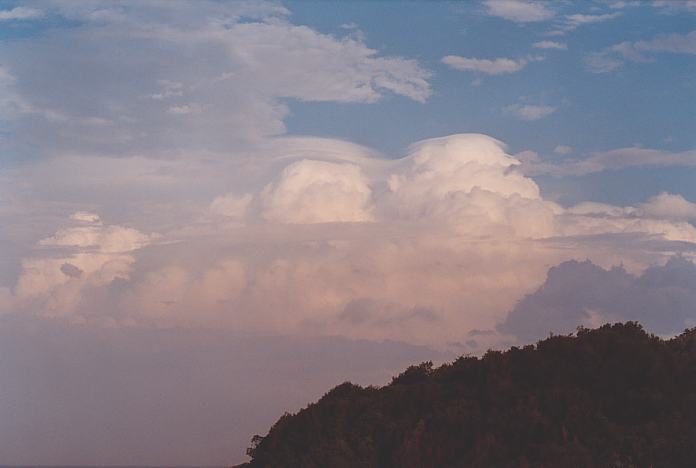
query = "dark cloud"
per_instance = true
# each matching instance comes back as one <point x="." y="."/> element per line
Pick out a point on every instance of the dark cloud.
<point x="71" y="270"/>
<point x="662" y="298"/>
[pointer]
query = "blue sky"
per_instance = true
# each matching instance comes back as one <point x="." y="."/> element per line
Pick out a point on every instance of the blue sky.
<point x="641" y="104"/>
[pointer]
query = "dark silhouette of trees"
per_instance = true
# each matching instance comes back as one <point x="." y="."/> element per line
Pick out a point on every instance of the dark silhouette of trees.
<point x="615" y="396"/>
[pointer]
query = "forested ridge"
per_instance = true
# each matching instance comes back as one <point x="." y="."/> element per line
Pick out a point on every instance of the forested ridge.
<point x="613" y="396"/>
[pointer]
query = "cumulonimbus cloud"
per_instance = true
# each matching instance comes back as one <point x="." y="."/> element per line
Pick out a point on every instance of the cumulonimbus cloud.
<point x="329" y="238"/>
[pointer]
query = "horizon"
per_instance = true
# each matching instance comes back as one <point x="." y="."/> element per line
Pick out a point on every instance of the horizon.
<point x="214" y="212"/>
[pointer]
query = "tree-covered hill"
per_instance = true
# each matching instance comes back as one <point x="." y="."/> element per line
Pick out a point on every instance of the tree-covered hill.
<point x="614" y="396"/>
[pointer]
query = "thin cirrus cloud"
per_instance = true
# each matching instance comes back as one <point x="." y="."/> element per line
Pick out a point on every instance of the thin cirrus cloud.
<point x="519" y="11"/>
<point x="497" y="66"/>
<point x="20" y="13"/>
<point x="615" y="56"/>
<point x="157" y="107"/>
<point x="550" y="45"/>
<point x="529" y="112"/>
<point x="611" y="160"/>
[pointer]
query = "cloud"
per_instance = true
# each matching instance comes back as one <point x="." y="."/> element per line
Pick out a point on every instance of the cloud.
<point x="187" y="79"/>
<point x="71" y="270"/>
<point x="20" y="13"/>
<point x="519" y="11"/>
<point x="231" y="205"/>
<point x="86" y="217"/>
<point x="673" y="43"/>
<point x="283" y="240"/>
<point x="529" y="112"/>
<point x="672" y="7"/>
<point x="318" y="192"/>
<point x="600" y="62"/>
<point x="107" y="239"/>
<point x="610" y="160"/>
<point x="669" y="206"/>
<point x="467" y="182"/>
<point x="562" y="149"/>
<point x="612" y="58"/>
<point x="79" y="258"/>
<point x="617" y="5"/>
<point x="498" y="66"/>
<point x="550" y="45"/>
<point x="575" y="20"/>
<point x="582" y="293"/>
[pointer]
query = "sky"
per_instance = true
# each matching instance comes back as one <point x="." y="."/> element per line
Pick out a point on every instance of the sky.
<point x="212" y="212"/>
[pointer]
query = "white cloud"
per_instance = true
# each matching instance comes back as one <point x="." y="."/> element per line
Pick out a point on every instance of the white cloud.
<point x="318" y="192"/>
<point x="617" y="5"/>
<point x="498" y="66"/>
<point x="87" y="255"/>
<point x="550" y="45"/>
<point x="529" y="112"/>
<point x="669" y="206"/>
<point x="85" y="216"/>
<point x="184" y="109"/>
<point x="20" y="13"/>
<point x="106" y="239"/>
<point x="231" y="205"/>
<point x="284" y="240"/>
<point x="519" y="11"/>
<point x="573" y="21"/>
<point x="187" y="78"/>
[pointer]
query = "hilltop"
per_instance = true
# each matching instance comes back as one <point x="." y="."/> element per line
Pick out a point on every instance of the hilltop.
<point x="613" y="396"/>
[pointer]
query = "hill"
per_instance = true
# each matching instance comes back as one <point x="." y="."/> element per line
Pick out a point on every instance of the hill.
<point x="613" y="396"/>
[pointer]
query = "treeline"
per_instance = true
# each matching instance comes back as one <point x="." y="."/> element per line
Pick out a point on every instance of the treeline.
<point x="615" y="396"/>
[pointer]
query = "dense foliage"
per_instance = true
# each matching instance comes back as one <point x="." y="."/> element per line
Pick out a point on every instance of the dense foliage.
<point x="615" y="396"/>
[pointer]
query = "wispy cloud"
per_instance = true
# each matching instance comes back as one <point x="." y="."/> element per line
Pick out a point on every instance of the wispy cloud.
<point x="614" y="57"/>
<point x="20" y="13"/>
<point x="529" y="112"/>
<point x="179" y="75"/>
<point x="519" y="11"/>
<point x="572" y="22"/>
<point x="550" y="45"/>
<point x="497" y="66"/>
<point x="615" y="159"/>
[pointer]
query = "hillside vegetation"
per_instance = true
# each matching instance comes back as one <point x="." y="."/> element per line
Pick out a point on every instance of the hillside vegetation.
<point x="613" y="396"/>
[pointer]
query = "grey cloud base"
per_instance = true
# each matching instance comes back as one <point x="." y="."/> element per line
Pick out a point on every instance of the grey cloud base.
<point x="662" y="298"/>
